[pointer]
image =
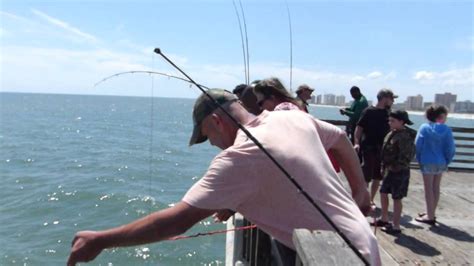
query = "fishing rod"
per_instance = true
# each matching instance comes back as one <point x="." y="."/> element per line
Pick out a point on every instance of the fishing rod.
<point x="291" y="46"/>
<point x="146" y="72"/>
<point x="242" y="40"/>
<point x="246" y="42"/>
<point x="260" y="146"/>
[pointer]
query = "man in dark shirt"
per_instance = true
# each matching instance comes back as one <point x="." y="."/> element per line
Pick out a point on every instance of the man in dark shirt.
<point x="369" y="135"/>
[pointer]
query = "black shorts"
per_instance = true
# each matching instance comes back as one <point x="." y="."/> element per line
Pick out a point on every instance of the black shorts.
<point x="371" y="163"/>
<point x="396" y="183"/>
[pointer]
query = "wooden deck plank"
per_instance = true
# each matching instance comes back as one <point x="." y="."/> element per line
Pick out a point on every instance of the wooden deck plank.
<point x="451" y="241"/>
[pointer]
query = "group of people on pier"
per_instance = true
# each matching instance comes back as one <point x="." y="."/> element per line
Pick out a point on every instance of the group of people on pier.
<point x="278" y="161"/>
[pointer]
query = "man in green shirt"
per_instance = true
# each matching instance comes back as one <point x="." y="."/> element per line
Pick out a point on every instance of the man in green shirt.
<point x="354" y="112"/>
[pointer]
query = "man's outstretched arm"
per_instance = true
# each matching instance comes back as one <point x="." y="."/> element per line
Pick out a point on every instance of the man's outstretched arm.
<point x="349" y="163"/>
<point x="152" y="228"/>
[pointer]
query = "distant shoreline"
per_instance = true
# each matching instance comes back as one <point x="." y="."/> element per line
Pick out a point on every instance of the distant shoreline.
<point x="455" y="115"/>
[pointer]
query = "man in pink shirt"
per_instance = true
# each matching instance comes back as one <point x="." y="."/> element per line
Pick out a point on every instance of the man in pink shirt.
<point x="242" y="178"/>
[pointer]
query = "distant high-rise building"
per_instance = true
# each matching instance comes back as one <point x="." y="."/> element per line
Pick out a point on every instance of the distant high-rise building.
<point x="447" y="99"/>
<point x="414" y="102"/>
<point x="464" y="107"/>
<point x="399" y="106"/>
<point x="340" y="100"/>
<point x="427" y="104"/>
<point x="329" y="99"/>
<point x="319" y="99"/>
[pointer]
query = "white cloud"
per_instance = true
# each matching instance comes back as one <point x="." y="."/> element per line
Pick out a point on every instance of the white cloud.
<point x="423" y="75"/>
<point x="51" y="70"/>
<point x="458" y="80"/>
<point x="374" y="75"/>
<point x="34" y="69"/>
<point x="358" y="78"/>
<point x="378" y="75"/>
<point x="65" y="26"/>
<point x="449" y="78"/>
<point x="458" y="77"/>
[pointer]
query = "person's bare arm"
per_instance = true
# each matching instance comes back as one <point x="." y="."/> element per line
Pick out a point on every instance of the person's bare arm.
<point x="349" y="162"/>
<point x="357" y="136"/>
<point x="154" y="227"/>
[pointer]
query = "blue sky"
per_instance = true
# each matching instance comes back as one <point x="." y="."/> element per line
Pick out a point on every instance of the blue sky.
<point x="412" y="47"/>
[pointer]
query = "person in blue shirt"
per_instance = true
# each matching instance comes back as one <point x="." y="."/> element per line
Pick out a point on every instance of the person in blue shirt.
<point x="434" y="152"/>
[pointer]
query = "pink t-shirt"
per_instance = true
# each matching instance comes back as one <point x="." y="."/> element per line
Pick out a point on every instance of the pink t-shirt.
<point x="242" y="178"/>
<point x="285" y="106"/>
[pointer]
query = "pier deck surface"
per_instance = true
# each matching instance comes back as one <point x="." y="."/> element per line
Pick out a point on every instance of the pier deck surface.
<point x="450" y="242"/>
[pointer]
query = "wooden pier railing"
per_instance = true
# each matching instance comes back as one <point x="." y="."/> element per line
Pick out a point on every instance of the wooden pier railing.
<point x="322" y="248"/>
<point x="464" y="139"/>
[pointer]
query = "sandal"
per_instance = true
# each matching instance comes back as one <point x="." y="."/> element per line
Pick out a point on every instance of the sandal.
<point x="426" y="221"/>
<point x="421" y="214"/>
<point x="390" y="230"/>
<point x="379" y="223"/>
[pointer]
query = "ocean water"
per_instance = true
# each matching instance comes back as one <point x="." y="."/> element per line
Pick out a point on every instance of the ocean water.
<point x="70" y="163"/>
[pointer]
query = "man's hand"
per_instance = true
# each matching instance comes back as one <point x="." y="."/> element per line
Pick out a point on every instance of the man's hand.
<point x="154" y="227"/>
<point x="357" y="148"/>
<point x="85" y="247"/>
<point x="222" y="215"/>
<point x="362" y="199"/>
<point x="342" y="111"/>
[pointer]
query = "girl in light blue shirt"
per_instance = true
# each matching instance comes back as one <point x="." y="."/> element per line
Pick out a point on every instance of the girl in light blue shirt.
<point x="434" y="151"/>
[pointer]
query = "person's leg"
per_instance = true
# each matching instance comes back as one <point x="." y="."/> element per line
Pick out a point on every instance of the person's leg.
<point x="429" y="195"/>
<point x="370" y="168"/>
<point x="397" y="213"/>
<point x="374" y="188"/>
<point x="436" y="192"/>
<point x="384" y="204"/>
<point x="376" y="172"/>
<point x="366" y="166"/>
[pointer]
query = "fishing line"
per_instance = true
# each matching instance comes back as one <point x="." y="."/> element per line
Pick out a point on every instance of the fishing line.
<point x="152" y="118"/>
<point x="214" y="232"/>
<point x="242" y="40"/>
<point x="260" y="146"/>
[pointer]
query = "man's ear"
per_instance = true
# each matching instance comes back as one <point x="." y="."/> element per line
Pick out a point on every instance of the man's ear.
<point x="216" y="120"/>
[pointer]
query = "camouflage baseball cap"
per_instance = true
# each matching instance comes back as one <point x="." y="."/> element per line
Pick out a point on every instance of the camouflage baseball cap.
<point x="204" y="106"/>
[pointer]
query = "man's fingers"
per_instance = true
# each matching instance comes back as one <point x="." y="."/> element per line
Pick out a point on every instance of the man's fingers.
<point x="71" y="261"/>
